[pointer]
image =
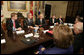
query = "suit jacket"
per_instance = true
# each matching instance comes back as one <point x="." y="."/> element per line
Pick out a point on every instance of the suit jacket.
<point x="59" y="20"/>
<point x="51" y="21"/>
<point x="37" y="22"/>
<point x="56" y="50"/>
<point x="78" y="42"/>
<point x="26" y="23"/>
<point x="9" y="24"/>
<point x="2" y="31"/>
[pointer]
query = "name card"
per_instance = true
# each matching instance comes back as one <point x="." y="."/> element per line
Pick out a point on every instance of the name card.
<point x="51" y="26"/>
<point x="28" y="35"/>
<point x="20" y="32"/>
<point x="36" y="35"/>
<point x="3" y="41"/>
<point x="45" y="31"/>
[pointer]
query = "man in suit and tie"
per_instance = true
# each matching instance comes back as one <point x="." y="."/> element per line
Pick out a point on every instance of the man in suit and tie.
<point x="60" y="20"/>
<point x="52" y="20"/>
<point x="40" y="21"/>
<point x="12" y="24"/>
<point x="28" y="22"/>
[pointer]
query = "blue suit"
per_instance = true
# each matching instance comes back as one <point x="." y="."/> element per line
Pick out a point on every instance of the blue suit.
<point x="56" y="50"/>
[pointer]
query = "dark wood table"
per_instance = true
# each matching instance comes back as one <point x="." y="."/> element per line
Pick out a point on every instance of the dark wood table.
<point x="14" y="45"/>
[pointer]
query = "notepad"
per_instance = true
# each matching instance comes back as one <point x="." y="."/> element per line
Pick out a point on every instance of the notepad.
<point x="28" y="35"/>
<point x="3" y="41"/>
<point x="20" y="32"/>
<point x="51" y="26"/>
<point x="44" y="31"/>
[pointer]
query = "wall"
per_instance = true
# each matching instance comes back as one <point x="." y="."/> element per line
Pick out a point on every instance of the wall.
<point x="7" y="13"/>
<point x="58" y="8"/>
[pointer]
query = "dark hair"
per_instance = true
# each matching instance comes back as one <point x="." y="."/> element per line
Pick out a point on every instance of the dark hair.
<point x="13" y="14"/>
<point x="63" y="36"/>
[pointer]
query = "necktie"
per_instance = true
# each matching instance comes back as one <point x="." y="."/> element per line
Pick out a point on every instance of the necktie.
<point x="14" y="24"/>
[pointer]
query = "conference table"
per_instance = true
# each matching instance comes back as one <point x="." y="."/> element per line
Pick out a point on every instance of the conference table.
<point x="14" y="44"/>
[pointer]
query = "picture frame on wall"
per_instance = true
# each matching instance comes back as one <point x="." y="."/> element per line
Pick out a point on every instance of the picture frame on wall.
<point x="17" y="5"/>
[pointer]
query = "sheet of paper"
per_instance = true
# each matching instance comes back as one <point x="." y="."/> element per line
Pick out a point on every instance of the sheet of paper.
<point x="51" y="26"/>
<point x="3" y="41"/>
<point x="45" y="31"/>
<point x="20" y="32"/>
<point x="71" y="27"/>
<point x="36" y="35"/>
<point x="28" y="35"/>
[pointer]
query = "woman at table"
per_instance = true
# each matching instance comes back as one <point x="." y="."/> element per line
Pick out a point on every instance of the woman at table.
<point x="63" y="39"/>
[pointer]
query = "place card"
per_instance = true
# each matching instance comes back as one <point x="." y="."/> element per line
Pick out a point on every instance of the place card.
<point x="28" y="35"/>
<point x="65" y="23"/>
<point x="20" y="32"/>
<point x="3" y="41"/>
<point x="44" y="31"/>
<point x="36" y="35"/>
<point x="51" y="26"/>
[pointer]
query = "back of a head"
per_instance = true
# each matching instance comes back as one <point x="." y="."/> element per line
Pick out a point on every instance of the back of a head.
<point x="79" y="26"/>
<point x="80" y="19"/>
<point x="63" y="36"/>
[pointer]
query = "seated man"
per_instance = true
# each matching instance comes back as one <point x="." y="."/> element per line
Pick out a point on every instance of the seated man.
<point x="78" y="39"/>
<point x="28" y="22"/>
<point x="12" y="24"/>
<point x="63" y="39"/>
<point x="60" y="20"/>
<point x="52" y="20"/>
<point x="40" y="21"/>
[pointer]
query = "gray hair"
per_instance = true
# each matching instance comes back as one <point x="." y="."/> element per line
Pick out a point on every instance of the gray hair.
<point x="28" y="14"/>
<point x="79" y="26"/>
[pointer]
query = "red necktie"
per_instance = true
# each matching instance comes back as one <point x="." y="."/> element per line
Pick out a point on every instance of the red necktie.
<point x="14" y="24"/>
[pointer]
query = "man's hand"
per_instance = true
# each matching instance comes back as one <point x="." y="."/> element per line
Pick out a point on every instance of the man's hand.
<point x="19" y="29"/>
<point x="36" y="25"/>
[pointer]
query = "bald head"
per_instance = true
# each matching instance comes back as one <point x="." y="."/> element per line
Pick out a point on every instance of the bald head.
<point x="78" y="27"/>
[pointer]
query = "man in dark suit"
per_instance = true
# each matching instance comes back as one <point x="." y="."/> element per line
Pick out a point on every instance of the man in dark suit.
<point x="28" y="22"/>
<point x="12" y="24"/>
<point x="40" y="21"/>
<point x="60" y="20"/>
<point x="52" y="20"/>
<point x="78" y="39"/>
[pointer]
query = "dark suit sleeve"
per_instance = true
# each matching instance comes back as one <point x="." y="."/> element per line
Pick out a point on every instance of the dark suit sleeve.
<point x="36" y="22"/>
<point x="50" y="21"/>
<point x="17" y="24"/>
<point x="24" y="23"/>
<point x="8" y="25"/>
<point x="44" y="22"/>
